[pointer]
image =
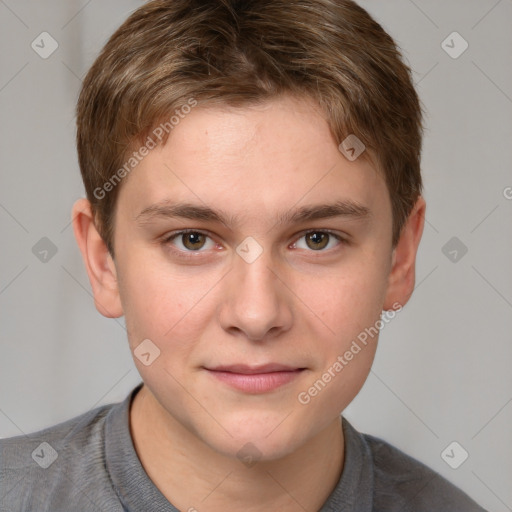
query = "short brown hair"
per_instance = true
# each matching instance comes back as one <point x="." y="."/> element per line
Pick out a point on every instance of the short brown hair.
<point x="241" y="52"/>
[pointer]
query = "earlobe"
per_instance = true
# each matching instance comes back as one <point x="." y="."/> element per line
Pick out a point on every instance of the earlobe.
<point x="99" y="264"/>
<point x="403" y="268"/>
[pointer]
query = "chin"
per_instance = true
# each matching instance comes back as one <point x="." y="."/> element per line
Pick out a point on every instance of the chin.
<point x="257" y="435"/>
<point x="260" y="450"/>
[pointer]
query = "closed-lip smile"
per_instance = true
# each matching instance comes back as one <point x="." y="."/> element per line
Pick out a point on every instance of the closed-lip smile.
<point x="255" y="379"/>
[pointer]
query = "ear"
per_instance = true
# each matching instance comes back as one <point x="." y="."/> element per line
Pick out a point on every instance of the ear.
<point x="98" y="261"/>
<point x="402" y="277"/>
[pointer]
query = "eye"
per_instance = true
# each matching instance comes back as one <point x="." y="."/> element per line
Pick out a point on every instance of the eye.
<point x="190" y="241"/>
<point x="318" y="240"/>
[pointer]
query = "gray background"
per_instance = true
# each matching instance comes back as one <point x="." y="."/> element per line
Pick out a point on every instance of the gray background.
<point x="442" y="371"/>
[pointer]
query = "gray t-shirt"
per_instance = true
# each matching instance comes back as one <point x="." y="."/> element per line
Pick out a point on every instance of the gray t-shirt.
<point x="89" y="464"/>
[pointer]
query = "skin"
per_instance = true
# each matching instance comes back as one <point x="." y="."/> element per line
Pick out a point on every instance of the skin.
<point x="299" y="303"/>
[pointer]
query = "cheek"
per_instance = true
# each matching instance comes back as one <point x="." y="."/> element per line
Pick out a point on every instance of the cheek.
<point x="163" y="305"/>
<point x="348" y="339"/>
<point x="345" y="300"/>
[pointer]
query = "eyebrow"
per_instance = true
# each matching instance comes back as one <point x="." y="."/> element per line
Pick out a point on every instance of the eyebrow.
<point x="166" y="209"/>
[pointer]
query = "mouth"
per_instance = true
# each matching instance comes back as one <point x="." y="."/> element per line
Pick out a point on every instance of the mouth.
<point x="255" y="379"/>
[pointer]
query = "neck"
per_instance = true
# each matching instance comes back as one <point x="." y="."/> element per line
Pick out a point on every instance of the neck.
<point x="193" y="476"/>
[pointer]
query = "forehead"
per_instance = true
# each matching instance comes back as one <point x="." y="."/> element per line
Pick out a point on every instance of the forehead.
<point x="253" y="160"/>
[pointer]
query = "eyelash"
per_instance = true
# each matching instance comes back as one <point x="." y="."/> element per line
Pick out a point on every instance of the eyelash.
<point x="190" y="254"/>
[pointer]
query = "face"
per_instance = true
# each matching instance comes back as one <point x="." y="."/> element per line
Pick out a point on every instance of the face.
<point x="284" y="262"/>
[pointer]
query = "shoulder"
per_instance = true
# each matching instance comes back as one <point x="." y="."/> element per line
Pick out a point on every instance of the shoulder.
<point x="58" y="468"/>
<point x="404" y="483"/>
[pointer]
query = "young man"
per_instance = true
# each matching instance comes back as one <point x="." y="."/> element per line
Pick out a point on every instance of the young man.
<point x="253" y="183"/>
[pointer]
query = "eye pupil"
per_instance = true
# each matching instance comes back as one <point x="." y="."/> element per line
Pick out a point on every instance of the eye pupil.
<point x="190" y="240"/>
<point x="319" y="239"/>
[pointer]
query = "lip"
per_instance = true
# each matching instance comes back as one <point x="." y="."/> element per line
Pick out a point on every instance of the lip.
<point x="255" y="379"/>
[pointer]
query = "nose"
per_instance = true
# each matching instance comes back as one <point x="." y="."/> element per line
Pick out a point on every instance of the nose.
<point x="257" y="303"/>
